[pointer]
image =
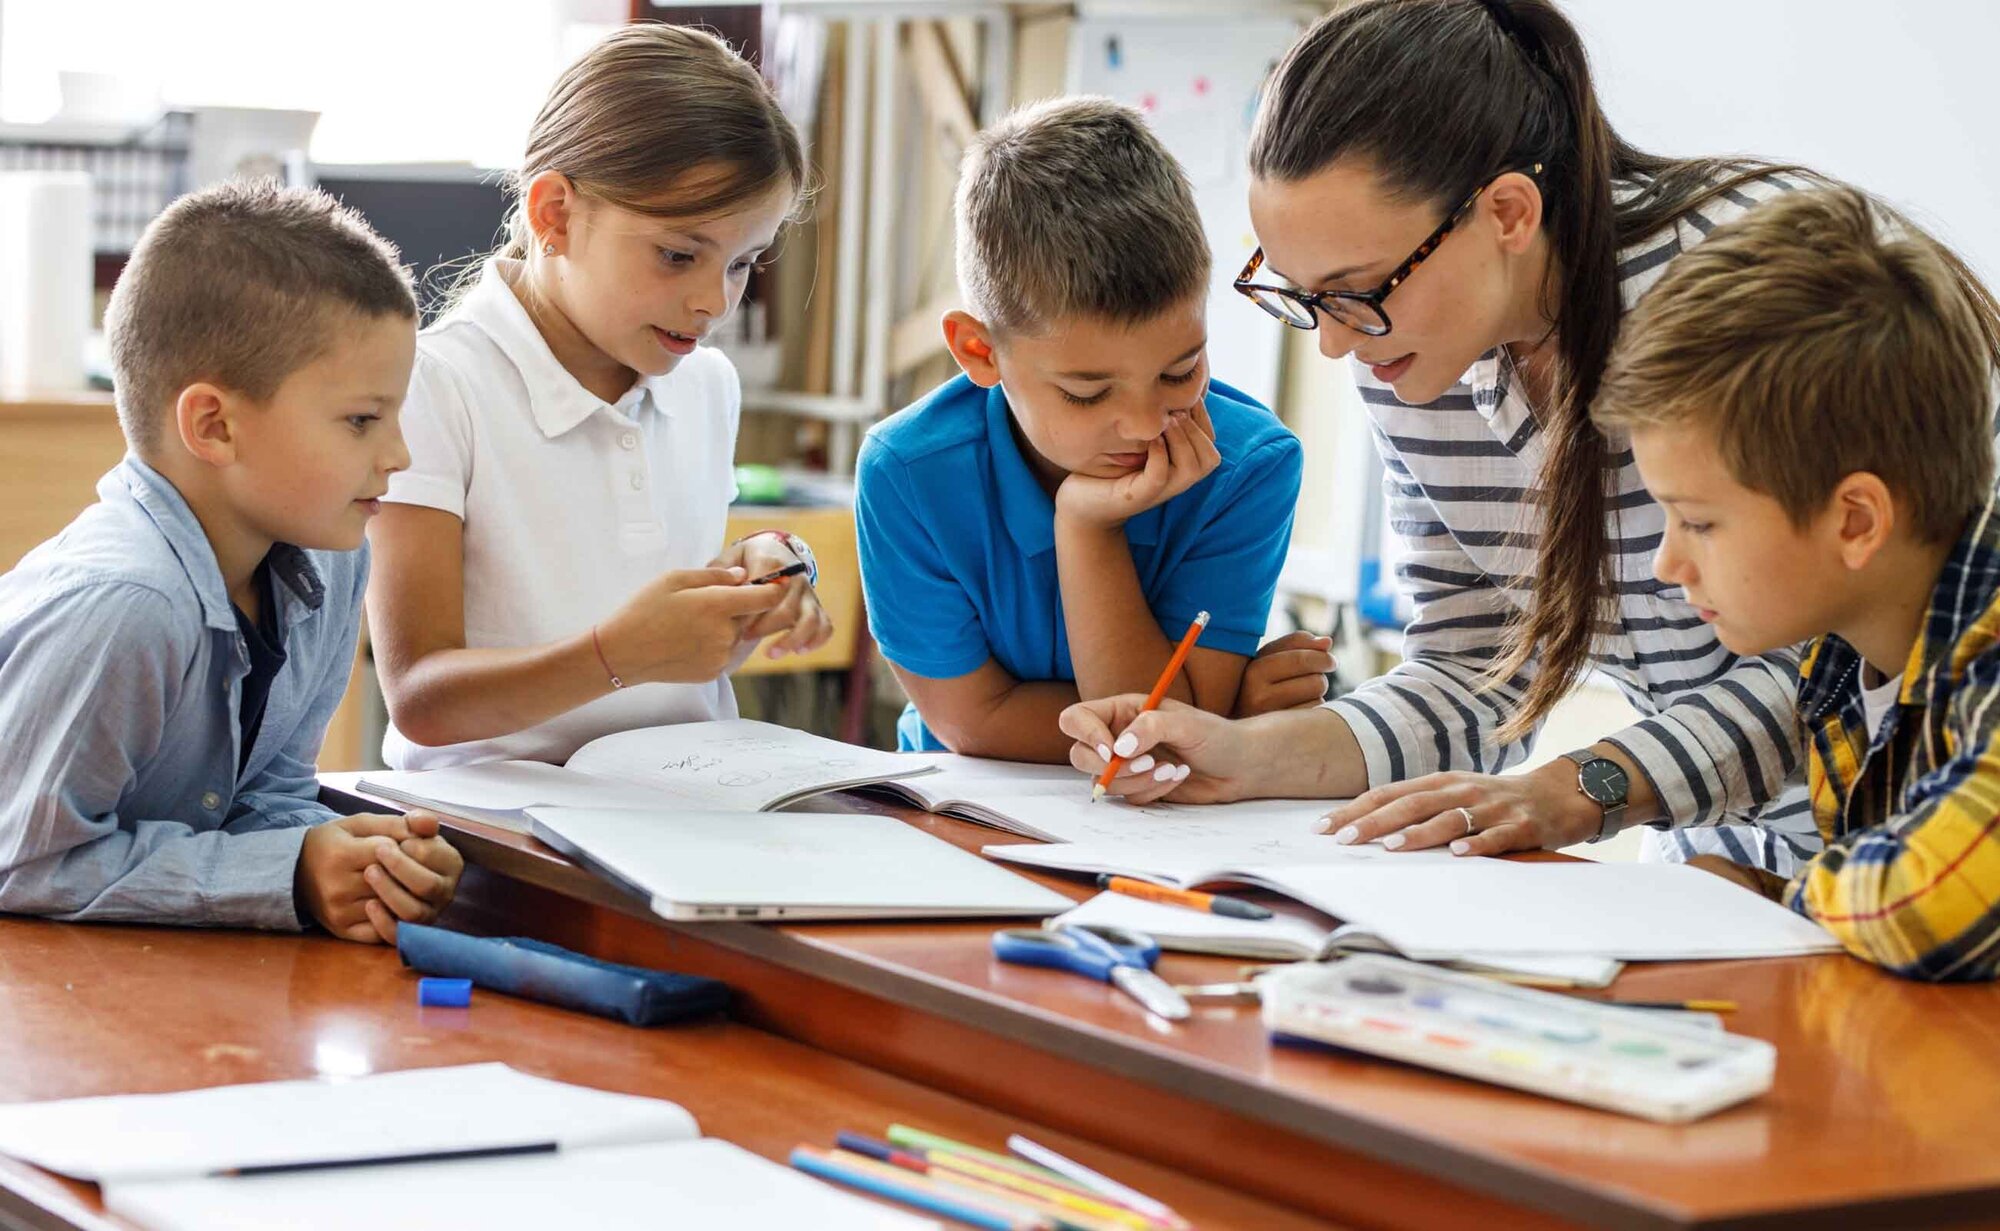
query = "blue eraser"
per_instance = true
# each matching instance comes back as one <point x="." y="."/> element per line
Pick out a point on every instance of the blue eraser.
<point x="444" y="993"/>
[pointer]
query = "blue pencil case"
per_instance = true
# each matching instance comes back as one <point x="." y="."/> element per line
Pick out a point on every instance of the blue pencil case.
<point x="537" y="970"/>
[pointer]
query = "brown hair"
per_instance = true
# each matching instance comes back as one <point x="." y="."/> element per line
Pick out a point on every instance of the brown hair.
<point x="1819" y="335"/>
<point x="1438" y="96"/>
<point x="1072" y="207"/>
<point x="661" y="120"/>
<point x="241" y="285"/>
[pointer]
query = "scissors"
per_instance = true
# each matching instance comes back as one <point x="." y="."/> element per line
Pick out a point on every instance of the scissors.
<point x="1122" y="958"/>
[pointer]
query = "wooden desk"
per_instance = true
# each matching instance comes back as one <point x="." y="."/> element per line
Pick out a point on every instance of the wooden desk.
<point x="1883" y="1112"/>
<point x="110" y="1010"/>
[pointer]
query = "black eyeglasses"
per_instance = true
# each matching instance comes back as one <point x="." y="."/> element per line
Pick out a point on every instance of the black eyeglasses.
<point x="1360" y="311"/>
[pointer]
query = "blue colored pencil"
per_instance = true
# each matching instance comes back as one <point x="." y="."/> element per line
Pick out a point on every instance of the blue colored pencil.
<point x="917" y="1192"/>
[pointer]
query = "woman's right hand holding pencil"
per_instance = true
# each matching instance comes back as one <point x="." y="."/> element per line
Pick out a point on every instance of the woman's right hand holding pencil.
<point x="1177" y="749"/>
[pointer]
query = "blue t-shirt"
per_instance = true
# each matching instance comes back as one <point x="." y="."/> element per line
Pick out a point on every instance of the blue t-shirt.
<point x="958" y="546"/>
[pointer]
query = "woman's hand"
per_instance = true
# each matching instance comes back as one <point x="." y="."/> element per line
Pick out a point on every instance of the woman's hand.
<point x="1477" y="814"/>
<point x="1177" y="749"/>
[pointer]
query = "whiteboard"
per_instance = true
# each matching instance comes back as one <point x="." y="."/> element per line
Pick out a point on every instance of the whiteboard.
<point x="1897" y="99"/>
<point x="1198" y="83"/>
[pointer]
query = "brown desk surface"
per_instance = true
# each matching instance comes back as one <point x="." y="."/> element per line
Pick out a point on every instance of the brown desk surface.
<point x="104" y="1010"/>
<point x="1883" y="1111"/>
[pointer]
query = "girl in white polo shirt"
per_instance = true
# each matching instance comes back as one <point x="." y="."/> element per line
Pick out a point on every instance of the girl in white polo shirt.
<point x="551" y="567"/>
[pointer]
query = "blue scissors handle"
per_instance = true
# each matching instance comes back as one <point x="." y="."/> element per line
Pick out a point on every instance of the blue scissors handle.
<point x="1092" y="953"/>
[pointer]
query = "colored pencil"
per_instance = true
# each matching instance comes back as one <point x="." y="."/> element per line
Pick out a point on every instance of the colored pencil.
<point x="1166" y="680"/>
<point x="918" y="1141"/>
<point x="1103" y="1185"/>
<point x="1061" y="1216"/>
<point x="1689" y="1006"/>
<point x="916" y="1190"/>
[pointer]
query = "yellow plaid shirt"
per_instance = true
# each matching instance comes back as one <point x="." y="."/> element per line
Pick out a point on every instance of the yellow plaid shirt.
<point x="1910" y="877"/>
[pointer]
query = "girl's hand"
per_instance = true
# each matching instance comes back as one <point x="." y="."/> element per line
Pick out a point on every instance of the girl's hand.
<point x="805" y="625"/>
<point x="1177" y="749"/>
<point x="1509" y="812"/>
<point x="684" y="626"/>
<point x="1177" y="459"/>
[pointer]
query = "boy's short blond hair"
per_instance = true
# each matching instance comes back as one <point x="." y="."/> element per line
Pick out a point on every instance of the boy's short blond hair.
<point x="1072" y="207"/>
<point x="239" y="285"/>
<point x="1820" y="335"/>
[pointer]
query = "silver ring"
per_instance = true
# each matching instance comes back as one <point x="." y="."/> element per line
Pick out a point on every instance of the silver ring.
<point x="1470" y="828"/>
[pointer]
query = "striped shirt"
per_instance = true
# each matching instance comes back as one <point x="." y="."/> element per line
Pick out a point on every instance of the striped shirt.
<point x="1719" y="743"/>
<point x="1910" y="877"/>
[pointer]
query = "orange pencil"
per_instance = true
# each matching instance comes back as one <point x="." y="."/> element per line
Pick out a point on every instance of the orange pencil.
<point x="1173" y="668"/>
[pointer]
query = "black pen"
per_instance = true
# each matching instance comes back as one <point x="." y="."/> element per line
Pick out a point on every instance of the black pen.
<point x="386" y="1160"/>
<point x="790" y="570"/>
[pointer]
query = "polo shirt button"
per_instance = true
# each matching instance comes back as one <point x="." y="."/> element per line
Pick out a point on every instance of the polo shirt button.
<point x="638" y="482"/>
<point x="629" y="440"/>
<point x="210" y="800"/>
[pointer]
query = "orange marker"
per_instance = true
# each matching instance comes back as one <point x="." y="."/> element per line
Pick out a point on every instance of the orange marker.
<point x="1213" y="903"/>
<point x="1173" y="668"/>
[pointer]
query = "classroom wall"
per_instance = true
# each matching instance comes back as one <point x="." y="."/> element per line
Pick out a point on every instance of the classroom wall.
<point x="1895" y="97"/>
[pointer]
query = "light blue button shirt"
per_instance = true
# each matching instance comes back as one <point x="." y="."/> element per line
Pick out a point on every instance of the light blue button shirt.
<point x="121" y="665"/>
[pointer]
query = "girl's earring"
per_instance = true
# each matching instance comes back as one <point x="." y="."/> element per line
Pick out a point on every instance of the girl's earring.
<point x="549" y="248"/>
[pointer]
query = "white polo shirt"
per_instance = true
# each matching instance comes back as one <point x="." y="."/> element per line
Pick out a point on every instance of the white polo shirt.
<point x="570" y="504"/>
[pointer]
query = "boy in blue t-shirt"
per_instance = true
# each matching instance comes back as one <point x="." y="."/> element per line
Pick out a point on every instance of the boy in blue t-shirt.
<point x="1044" y="527"/>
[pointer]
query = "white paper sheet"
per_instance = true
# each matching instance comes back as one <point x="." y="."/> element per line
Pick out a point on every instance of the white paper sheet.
<point x="151" y="1136"/>
<point x="1631" y="911"/>
<point x="621" y="1188"/>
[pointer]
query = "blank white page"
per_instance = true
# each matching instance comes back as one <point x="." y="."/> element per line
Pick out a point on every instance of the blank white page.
<point x="615" y="1188"/>
<point x="418" y="1110"/>
<point x="1636" y="911"/>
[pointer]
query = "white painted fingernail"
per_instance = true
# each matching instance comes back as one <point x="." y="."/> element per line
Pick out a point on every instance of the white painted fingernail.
<point x="1139" y="765"/>
<point x="1460" y="847"/>
<point x="1104" y="752"/>
<point x="1180" y="774"/>
<point x="1347" y="835"/>
<point x="1394" y="842"/>
<point x="1165" y="773"/>
<point x="1126" y="745"/>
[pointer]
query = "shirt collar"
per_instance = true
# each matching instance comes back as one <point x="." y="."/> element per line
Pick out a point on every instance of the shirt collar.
<point x="1964" y="593"/>
<point x="556" y="399"/>
<point x="1965" y="590"/>
<point x="1027" y="510"/>
<point x="162" y="502"/>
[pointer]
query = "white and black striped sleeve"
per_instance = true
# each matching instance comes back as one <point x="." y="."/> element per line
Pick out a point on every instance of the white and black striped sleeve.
<point x="1728" y="746"/>
<point x="1434" y="711"/>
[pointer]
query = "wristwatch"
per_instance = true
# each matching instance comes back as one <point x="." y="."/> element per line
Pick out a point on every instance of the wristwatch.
<point x="1605" y="783"/>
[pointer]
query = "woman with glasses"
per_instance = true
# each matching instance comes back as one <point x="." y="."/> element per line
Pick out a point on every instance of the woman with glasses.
<point x="1438" y="195"/>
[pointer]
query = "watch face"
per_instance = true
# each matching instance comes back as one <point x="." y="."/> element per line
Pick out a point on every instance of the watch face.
<point x="1603" y="780"/>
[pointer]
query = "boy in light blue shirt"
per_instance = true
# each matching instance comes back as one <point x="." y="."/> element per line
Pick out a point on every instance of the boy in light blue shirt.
<point x="169" y="662"/>
<point x="1045" y="527"/>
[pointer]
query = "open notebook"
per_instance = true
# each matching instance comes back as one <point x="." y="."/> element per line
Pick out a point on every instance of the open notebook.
<point x="731" y="765"/>
<point x="1295" y="938"/>
<point x="1446" y="909"/>
<point x="1051" y="803"/>
<point x="620" y="1161"/>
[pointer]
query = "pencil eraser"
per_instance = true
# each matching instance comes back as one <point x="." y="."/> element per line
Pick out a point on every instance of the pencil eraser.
<point x="444" y="993"/>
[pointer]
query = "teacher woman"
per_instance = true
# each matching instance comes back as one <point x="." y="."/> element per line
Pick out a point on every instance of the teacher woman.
<point x="1438" y="194"/>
